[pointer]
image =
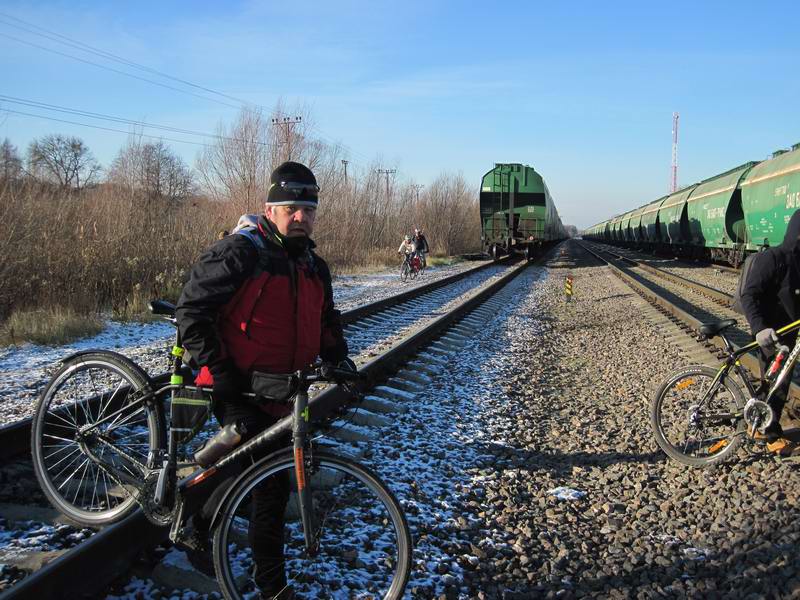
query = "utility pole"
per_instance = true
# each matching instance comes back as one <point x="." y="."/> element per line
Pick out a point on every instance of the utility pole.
<point x="673" y="184"/>
<point x="345" y="163"/>
<point x="417" y="187"/>
<point x="387" y="172"/>
<point x="288" y="122"/>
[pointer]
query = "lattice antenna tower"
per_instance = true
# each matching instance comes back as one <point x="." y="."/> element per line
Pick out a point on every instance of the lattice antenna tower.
<point x="673" y="183"/>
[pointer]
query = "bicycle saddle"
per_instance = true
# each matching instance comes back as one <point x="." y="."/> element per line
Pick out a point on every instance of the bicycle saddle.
<point x="712" y="329"/>
<point x="162" y="307"/>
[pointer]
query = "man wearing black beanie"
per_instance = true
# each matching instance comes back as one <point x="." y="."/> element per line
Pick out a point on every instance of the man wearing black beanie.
<point x="260" y="299"/>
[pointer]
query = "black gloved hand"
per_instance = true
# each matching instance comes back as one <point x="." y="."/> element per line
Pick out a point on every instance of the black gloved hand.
<point x="227" y="387"/>
<point x="348" y="365"/>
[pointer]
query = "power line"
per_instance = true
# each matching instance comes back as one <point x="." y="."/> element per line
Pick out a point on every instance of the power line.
<point x="17" y="112"/>
<point x="63" y="39"/>
<point x="113" y="70"/>
<point x="94" y="115"/>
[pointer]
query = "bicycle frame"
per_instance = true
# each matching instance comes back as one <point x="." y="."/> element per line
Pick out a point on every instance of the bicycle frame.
<point x="192" y="489"/>
<point x="732" y="362"/>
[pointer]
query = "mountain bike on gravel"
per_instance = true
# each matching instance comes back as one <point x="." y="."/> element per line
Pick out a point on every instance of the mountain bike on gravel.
<point x="701" y="415"/>
<point x="411" y="267"/>
<point x="105" y="441"/>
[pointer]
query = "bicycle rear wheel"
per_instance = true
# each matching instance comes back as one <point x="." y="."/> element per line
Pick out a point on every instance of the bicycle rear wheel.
<point x="364" y="542"/>
<point x="695" y="421"/>
<point x="68" y="445"/>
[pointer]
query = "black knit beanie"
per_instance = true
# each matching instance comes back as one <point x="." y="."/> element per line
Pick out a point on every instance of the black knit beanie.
<point x="292" y="184"/>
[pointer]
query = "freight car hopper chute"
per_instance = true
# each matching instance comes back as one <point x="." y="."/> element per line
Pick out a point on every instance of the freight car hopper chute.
<point x="651" y="230"/>
<point x="517" y="213"/>
<point x="633" y="233"/>
<point x="716" y="219"/>
<point x="770" y="195"/>
<point x="672" y="222"/>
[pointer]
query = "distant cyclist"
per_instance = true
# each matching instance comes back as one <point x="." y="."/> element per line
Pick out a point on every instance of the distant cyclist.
<point x="407" y="248"/>
<point x="422" y="246"/>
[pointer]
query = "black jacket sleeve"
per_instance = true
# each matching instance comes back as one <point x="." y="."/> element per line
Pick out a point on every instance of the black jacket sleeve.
<point x="760" y="292"/>
<point x="333" y="346"/>
<point x="214" y="281"/>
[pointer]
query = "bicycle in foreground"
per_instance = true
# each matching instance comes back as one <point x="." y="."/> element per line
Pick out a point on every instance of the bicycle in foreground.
<point x="103" y="445"/>
<point x="411" y="267"/>
<point x="701" y="415"/>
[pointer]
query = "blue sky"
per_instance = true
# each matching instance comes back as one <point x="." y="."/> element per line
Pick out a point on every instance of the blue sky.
<point x="582" y="91"/>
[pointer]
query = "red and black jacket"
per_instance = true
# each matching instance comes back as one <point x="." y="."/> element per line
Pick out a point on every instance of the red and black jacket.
<point x="251" y="305"/>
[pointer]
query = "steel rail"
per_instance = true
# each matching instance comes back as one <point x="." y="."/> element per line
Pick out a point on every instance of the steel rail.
<point x="66" y="576"/>
<point x="713" y="293"/>
<point x="749" y="361"/>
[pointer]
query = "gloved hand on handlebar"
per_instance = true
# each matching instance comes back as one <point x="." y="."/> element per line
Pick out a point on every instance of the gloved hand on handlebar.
<point x="768" y="340"/>
<point x="329" y="370"/>
<point x="348" y="365"/>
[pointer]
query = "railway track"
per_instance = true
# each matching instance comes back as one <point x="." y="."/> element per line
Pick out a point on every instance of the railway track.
<point x="444" y="304"/>
<point x="710" y="275"/>
<point x="686" y="304"/>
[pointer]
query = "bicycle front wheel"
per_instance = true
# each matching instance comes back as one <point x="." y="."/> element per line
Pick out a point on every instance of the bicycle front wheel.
<point x="364" y="546"/>
<point x="404" y="271"/>
<point x="92" y="436"/>
<point x="697" y="420"/>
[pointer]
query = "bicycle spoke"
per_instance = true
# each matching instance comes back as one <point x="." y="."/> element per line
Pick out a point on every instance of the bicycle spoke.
<point x="92" y="433"/>
<point x="358" y="541"/>
<point x="695" y="415"/>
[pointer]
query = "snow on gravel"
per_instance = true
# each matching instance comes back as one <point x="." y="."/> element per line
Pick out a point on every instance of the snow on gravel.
<point x="25" y="369"/>
<point x="428" y="456"/>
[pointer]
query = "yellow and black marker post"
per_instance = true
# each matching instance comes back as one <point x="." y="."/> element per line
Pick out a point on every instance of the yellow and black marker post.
<point x="568" y="287"/>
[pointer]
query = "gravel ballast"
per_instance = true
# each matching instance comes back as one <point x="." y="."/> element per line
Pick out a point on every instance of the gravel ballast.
<point x="528" y="469"/>
<point x="563" y="403"/>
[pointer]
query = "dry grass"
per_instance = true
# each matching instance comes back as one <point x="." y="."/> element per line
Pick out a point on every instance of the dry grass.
<point x="69" y="255"/>
<point x="54" y="325"/>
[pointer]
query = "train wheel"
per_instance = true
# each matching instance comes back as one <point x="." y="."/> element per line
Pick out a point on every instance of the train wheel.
<point x="495" y="252"/>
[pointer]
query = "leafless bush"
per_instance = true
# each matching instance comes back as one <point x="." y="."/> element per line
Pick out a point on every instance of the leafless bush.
<point x="152" y="169"/>
<point x="134" y="237"/>
<point x="95" y="250"/>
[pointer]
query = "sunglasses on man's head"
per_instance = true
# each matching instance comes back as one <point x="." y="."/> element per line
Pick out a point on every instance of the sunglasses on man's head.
<point x="300" y="189"/>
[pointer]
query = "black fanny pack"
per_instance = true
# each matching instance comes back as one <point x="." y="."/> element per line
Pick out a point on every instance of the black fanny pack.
<point x="275" y="387"/>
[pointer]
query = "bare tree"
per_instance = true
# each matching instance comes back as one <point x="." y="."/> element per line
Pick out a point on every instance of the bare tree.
<point x="237" y="167"/>
<point x="65" y="161"/>
<point x="152" y="168"/>
<point x="10" y="162"/>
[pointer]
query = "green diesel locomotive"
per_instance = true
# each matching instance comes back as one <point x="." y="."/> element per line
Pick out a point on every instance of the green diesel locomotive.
<point x="517" y="212"/>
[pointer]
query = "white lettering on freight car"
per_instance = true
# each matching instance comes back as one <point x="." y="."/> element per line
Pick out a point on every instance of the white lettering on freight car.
<point x="715" y="213"/>
<point x="793" y="200"/>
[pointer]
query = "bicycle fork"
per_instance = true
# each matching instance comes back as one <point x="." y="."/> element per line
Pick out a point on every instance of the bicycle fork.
<point x="304" y="499"/>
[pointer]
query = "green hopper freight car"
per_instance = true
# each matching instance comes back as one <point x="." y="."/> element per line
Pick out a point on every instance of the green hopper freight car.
<point x="724" y="217"/>
<point x="517" y="212"/>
